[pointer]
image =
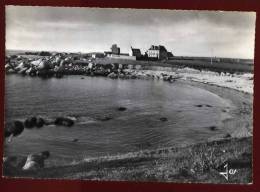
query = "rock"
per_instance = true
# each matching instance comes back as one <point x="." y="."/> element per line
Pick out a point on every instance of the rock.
<point x="121" y="108"/>
<point x="36" y="161"/>
<point x="13" y="56"/>
<point x="212" y="128"/>
<point x="112" y="75"/>
<point x="75" y="140"/>
<point x="228" y="81"/>
<point x="168" y="78"/>
<point x="8" y="66"/>
<point x="58" y="75"/>
<point x="13" y="163"/>
<point x="39" y="122"/>
<point x="20" y="66"/>
<point x="198" y="105"/>
<point x="63" y="121"/>
<point x="163" y="119"/>
<point x="49" y="121"/>
<point x="227" y="136"/>
<point x="133" y="76"/>
<point x="15" y="129"/>
<point x="121" y="75"/>
<point x="10" y="71"/>
<point x="32" y="71"/>
<point x="22" y="71"/>
<point x="30" y="122"/>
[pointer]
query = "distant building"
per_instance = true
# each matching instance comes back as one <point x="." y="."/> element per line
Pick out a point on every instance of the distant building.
<point x="96" y="55"/>
<point x="115" y="50"/>
<point x="107" y="53"/>
<point x="169" y="54"/>
<point x="115" y="53"/>
<point x="125" y="54"/>
<point x="157" y="52"/>
<point x="136" y="52"/>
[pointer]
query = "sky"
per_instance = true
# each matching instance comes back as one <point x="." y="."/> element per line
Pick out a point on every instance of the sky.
<point x="184" y="33"/>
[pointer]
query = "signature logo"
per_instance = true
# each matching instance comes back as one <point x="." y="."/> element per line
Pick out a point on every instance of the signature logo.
<point x="228" y="172"/>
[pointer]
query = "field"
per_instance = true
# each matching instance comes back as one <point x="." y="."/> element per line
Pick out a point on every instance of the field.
<point x="230" y="66"/>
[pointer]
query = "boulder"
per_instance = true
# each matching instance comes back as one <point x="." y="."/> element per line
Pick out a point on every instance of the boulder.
<point x="113" y="75"/>
<point x="64" y="121"/>
<point x="36" y="63"/>
<point x="20" y="66"/>
<point x="36" y="161"/>
<point x="7" y="66"/>
<point x="212" y="128"/>
<point x="121" y="108"/>
<point x="30" y="122"/>
<point x="133" y="76"/>
<point x="39" y="122"/>
<point x="121" y="75"/>
<point x="227" y="136"/>
<point x="13" y="163"/>
<point x="23" y="71"/>
<point x="28" y="71"/>
<point x="10" y="71"/>
<point x="33" y="72"/>
<point x="163" y="119"/>
<point x="14" y="129"/>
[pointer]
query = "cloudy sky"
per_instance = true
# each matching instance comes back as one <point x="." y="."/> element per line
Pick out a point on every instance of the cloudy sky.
<point x="185" y="33"/>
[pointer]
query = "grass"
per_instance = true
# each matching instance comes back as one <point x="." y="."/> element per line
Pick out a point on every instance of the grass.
<point x="196" y="163"/>
<point x="194" y="63"/>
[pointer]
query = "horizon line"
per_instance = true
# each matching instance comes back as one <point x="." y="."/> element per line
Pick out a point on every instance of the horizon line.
<point x="24" y="50"/>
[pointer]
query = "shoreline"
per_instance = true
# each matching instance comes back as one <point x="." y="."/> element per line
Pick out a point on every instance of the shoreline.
<point x="242" y="101"/>
<point x="199" y="163"/>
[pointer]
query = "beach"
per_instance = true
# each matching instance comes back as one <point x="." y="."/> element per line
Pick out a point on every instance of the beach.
<point x="200" y="162"/>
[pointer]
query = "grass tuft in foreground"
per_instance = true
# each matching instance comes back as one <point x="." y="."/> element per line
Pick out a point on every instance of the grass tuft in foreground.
<point x="196" y="163"/>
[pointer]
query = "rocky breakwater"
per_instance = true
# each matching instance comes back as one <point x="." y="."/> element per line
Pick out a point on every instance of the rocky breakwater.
<point x="58" y="65"/>
<point x="55" y="65"/>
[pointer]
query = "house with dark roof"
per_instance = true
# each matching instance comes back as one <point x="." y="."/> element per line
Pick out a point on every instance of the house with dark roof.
<point x="169" y="54"/>
<point x="115" y="53"/>
<point x="157" y="52"/>
<point x="136" y="52"/>
<point x="115" y="49"/>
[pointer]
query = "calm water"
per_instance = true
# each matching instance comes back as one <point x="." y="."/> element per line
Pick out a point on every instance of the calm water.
<point x="92" y="98"/>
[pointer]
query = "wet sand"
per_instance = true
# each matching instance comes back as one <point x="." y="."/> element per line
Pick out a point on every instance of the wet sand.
<point x="239" y="119"/>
